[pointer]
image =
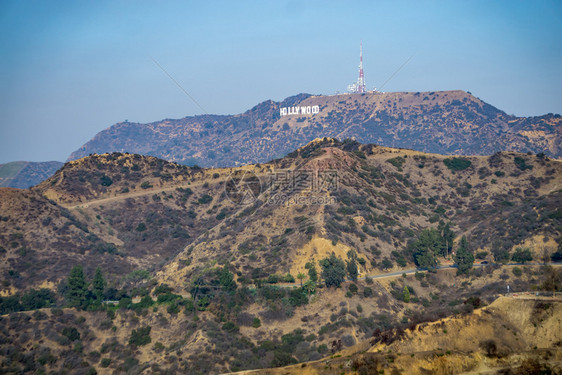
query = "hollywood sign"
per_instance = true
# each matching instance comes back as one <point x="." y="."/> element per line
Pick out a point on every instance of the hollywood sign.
<point x="305" y="110"/>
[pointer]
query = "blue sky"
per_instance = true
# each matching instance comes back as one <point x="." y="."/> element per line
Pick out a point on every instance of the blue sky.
<point x="71" y="69"/>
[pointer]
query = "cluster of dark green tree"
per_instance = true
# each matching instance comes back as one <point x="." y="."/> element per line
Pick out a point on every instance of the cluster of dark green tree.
<point x="82" y="294"/>
<point x="502" y="253"/>
<point x="30" y="300"/>
<point x="335" y="270"/>
<point x="433" y="243"/>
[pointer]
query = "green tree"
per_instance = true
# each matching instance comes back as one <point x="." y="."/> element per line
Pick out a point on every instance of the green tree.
<point x="10" y="304"/>
<point x="226" y="279"/>
<point x="301" y="276"/>
<point x="463" y="257"/>
<point x="98" y="286"/>
<point x="426" y="247"/>
<point x="140" y="337"/>
<point x="406" y="294"/>
<point x="77" y="288"/>
<point x="333" y="270"/>
<point x="352" y="269"/>
<point x="522" y="255"/>
<point x="500" y="252"/>
<point x="310" y="287"/>
<point x="447" y="237"/>
<point x="386" y="264"/>
<point x="312" y="272"/>
<point x="37" y="299"/>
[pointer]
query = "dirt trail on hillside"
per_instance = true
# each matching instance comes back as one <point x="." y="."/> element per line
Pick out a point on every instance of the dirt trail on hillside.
<point x="133" y="194"/>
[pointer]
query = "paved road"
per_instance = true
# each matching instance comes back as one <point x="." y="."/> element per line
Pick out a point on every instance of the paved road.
<point x="414" y="270"/>
<point x="451" y="266"/>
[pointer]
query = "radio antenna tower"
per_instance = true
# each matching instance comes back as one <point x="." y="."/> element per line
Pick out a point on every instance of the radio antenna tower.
<point x="359" y="87"/>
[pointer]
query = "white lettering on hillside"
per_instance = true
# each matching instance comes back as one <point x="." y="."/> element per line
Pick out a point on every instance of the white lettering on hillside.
<point x="304" y="110"/>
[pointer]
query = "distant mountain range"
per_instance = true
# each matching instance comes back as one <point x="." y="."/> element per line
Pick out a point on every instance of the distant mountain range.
<point x="24" y="174"/>
<point x="444" y="122"/>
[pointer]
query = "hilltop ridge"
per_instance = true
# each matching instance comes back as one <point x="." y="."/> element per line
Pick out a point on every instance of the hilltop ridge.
<point x="444" y="122"/>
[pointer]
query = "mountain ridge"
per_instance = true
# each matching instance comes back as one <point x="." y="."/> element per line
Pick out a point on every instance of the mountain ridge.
<point x="447" y="122"/>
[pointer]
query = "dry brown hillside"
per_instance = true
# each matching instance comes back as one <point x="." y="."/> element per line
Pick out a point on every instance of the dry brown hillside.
<point x="515" y="336"/>
<point x="40" y="241"/>
<point x="384" y="199"/>
<point x="145" y="212"/>
<point x="218" y="270"/>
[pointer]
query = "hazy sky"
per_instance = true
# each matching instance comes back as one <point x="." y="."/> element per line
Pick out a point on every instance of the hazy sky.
<point x="71" y="69"/>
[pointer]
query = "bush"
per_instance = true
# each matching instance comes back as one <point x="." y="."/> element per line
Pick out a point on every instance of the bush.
<point x="162" y="289"/>
<point x="37" y="299"/>
<point x="474" y="301"/>
<point x="457" y="164"/>
<point x="173" y="309"/>
<point x="521" y="164"/>
<point x="71" y="333"/>
<point x="105" y="362"/>
<point x="298" y="297"/>
<point x="406" y="294"/>
<point x="168" y="297"/>
<point x="397" y="162"/>
<point x="517" y="271"/>
<point x="288" y="278"/>
<point x="140" y="337"/>
<point x="230" y="327"/>
<point x="158" y="347"/>
<point x="10" y="304"/>
<point x="490" y="347"/>
<point x="367" y="292"/>
<point x="386" y="264"/>
<point x="522" y="255"/>
<point x="105" y="180"/>
<point x="333" y="270"/>
<point x="205" y="198"/>
<point x="145" y="302"/>
<point x="282" y="359"/>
